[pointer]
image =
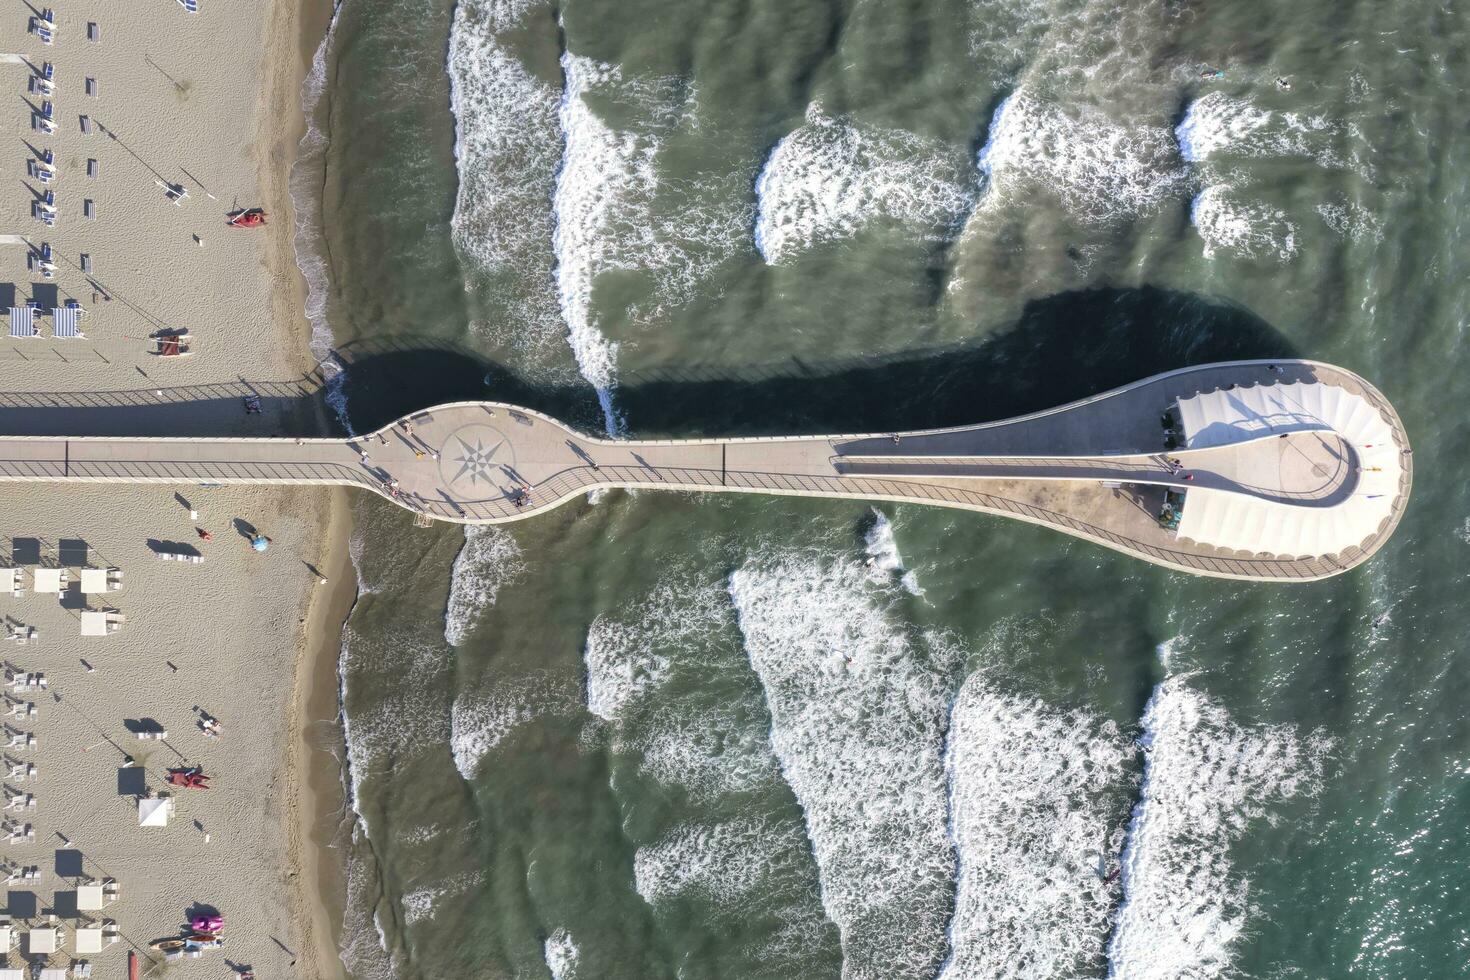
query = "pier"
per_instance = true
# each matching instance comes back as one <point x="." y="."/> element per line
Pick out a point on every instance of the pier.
<point x="1283" y="470"/>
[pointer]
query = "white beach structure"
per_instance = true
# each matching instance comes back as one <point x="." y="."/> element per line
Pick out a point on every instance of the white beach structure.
<point x="42" y="941"/>
<point x="1260" y="525"/>
<point x="50" y="581"/>
<point x="94" y="580"/>
<point x="154" y="811"/>
<point x="89" y="898"/>
<point x="88" y="939"/>
<point x="94" y="623"/>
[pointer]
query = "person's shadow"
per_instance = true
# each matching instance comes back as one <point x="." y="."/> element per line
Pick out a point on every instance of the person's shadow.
<point x="246" y="529"/>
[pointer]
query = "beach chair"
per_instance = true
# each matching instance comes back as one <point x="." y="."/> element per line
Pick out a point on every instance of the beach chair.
<point x="111" y="891"/>
<point x="114" y="580"/>
<point x="192" y="6"/>
<point x="41" y="31"/>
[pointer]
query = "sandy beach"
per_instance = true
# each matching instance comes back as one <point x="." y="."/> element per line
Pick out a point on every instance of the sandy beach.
<point x="209" y="103"/>
<point x="144" y="103"/>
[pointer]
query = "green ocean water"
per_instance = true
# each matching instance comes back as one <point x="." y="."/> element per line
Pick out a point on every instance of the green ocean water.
<point x="685" y="736"/>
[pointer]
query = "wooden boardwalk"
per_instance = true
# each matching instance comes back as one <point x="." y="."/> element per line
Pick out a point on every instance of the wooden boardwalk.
<point x="1093" y="468"/>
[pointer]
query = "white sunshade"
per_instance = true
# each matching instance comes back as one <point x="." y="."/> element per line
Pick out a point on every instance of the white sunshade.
<point x="11" y="973"/>
<point x="52" y="973"/>
<point x="1241" y="522"/>
<point x="94" y="580"/>
<point x="89" y="897"/>
<point x="22" y="321"/>
<point x="154" y="811"/>
<point x="41" y="941"/>
<point x="94" y="623"/>
<point x="89" y="939"/>
<point x="65" y="321"/>
<point x="48" y="580"/>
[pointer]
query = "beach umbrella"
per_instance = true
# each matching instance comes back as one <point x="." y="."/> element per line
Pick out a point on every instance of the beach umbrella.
<point x="260" y="542"/>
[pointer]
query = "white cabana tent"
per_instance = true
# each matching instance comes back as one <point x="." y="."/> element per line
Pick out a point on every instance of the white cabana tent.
<point x="94" y="623"/>
<point x="10" y="973"/>
<point x="88" y="939"/>
<point x="154" y="811"/>
<point x="1241" y="522"/>
<point x="41" y="941"/>
<point x="89" y="898"/>
<point x="48" y="581"/>
<point x="23" y="322"/>
<point x="52" y="973"/>
<point x="94" y="580"/>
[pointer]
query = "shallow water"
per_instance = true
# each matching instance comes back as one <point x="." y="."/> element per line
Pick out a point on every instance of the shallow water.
<point x="693" y="736"/>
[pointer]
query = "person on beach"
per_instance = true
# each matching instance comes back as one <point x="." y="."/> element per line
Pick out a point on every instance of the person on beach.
<point x="204" y="534"/>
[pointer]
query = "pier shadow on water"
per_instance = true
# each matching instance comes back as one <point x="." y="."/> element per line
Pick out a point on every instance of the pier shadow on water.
<point x="1062" y="348"/>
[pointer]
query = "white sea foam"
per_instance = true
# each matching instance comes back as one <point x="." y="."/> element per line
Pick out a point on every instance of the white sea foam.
<point x="480" y="721"/>
<point x="627" y="655"/>
<point x="1101" y="169"/>
<point x="420" y="904"/>
<point x="1034" y="798"/>
<point x="882" y="548"/>
<point x="1351" y="221"/>
<point x="507" y="149"/>
<point x="858" y="713"/>
<point x="1216" y="125"/>
<point x="364" y="946"/>
<point x="1206" y="780"/>
<point x="709" y="755"/>
<point x="489" y="560"/>
<point x="831" y="176"/>
<point x="562" y="955"/>
<point x="1249" y="229"/>
<point x="721" y="862"/>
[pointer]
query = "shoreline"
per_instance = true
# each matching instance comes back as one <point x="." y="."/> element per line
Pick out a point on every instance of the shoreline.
<point x="312" y="766"/>
<point x="316" y="796"/>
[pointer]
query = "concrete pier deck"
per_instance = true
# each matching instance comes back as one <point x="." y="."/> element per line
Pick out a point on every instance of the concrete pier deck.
<point x="1096" y="469"/>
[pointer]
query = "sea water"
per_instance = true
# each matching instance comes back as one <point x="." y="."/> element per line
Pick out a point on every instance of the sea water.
<point x="693" y="736"/>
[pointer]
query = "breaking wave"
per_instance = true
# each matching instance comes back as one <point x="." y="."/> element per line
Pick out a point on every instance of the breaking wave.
<point x="1037" y="802"/>
<point x="1100" y="169"/>
<point x="830" y="177"/>
<point x="489" y="559"/>
<point x="1249" y="229"/>
<point x="1206" y="779"/>
<point x="858" y="712"/>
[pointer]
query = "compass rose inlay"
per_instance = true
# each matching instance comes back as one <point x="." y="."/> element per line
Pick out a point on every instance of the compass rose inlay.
<point x="477" y="460"/>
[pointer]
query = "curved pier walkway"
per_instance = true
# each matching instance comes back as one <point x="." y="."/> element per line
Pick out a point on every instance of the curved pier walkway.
<point x="1096" y="469"/>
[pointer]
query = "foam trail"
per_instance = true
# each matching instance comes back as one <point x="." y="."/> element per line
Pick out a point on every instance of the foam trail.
<point x="858" y="715"/>
<point x="828" y="178"/>
<point x="562" y="955"/>
<point x="600" y="170"/>
<point x="479" y="723"/>
<point x="1102" y="170"/>
<point x="1033" y="795"/>
<point x="883" y="556"/>
<point x="489" y="559"/>
<point x="1248" y="229"/>
<point x="1205" y="780"/>
<point x="1216" y="124"/>
<point x="508" y="146"/>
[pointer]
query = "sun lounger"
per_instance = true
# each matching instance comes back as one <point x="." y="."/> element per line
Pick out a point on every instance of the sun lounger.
<point x="192" y="6"/>
<point x="42" y="32"/>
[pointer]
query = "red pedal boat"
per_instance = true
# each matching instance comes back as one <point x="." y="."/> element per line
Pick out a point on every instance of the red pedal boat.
<point x="246" y="218"/>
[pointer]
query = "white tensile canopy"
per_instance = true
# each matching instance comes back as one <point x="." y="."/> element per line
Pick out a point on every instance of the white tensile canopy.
<point x="154" y="811"/>
<point x="94" y="623"/>
<point x="48" y="580"/>
<point x="94" y="580"/>
<point x="1241" y="522"/>
<point x="89" y="897"/>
